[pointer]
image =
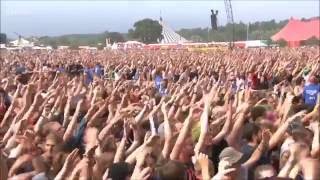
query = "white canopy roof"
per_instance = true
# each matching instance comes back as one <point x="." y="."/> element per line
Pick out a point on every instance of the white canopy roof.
<point x="133" y="42"/>
<point x="21" y="43"/>
<point x="42" y="48"/>
<point x="169" y="36"/>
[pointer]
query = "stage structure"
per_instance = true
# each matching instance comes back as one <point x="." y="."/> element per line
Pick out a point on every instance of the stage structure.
<point x="229" y="12"/>
<point x="169" y="36"/>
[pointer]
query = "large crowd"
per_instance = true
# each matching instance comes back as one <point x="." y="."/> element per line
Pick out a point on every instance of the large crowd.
<point x="160" y="115"/>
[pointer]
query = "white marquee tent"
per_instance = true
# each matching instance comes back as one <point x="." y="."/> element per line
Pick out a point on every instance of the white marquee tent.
<point x="21" y="43"/>
<point x="255" y="43"/>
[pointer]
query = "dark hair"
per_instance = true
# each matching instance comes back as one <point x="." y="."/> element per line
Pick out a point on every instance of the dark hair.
<point x="296" y="99"/>
<point x="172" y="170"/>
<point x="249" y="130"/>
<point x="145" y="125"/>
<point x="299" y="80"/>
<point x="301" y="107"/>
<point x="289" y="78"/>
<point x="119" y="171"/>
<point x="257" y="112"/>
<point x="2" y="91"/>
<point x="157" y="98"/>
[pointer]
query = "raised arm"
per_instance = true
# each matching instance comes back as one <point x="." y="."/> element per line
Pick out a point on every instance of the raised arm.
<point x="95" y="118"/>
<point x="139" y="117"/>
<point x="6" y="118"/>
<point x="34" y="106"/>
<point x="105" y="131"/>
<point x="66" y="113"/>
<point x="204" y="121"/>
<point x="182" y="136"/>
<point x="167" y="129"/>
<point x="86" y="171"/>
<point x="3" y="166"/>
<point x="72" y="125"/>
<point x="119" y="156"/>
<point x="137" y="136"/>
<point x="258" y="152"/>
<point x="27" y="101"/>
<point x="310" y="168"/>
<point x="278" y="135"/>
<point x="226" y="127"/>
<point x="18" y="163"/>
<point x="68" y="165"/>
<point x="315" y="148"/>
<point x="233" y="138"/>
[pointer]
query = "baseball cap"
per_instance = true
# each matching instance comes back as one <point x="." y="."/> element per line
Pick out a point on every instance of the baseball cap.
<point x="231" y="155"/>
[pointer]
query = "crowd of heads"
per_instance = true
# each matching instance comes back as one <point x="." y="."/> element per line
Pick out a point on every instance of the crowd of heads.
<point x="160" y="115"/>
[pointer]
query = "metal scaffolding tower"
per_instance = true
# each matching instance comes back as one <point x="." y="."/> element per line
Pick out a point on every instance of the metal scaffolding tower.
<point x="229" y="12"/>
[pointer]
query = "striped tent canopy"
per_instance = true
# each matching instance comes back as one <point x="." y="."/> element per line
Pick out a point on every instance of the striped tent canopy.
<point x="169" y="36"/>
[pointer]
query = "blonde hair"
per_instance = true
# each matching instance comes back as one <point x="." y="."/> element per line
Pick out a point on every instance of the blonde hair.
<point x="53" y="137"/>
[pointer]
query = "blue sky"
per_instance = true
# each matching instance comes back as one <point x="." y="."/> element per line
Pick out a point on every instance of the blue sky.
<point x="72" y="17"/>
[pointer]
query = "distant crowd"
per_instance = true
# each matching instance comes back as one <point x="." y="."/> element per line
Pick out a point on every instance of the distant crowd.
<point x="160" y="115"/>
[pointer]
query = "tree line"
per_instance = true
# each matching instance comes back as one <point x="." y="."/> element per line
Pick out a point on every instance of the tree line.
<point x="149" y="31"/>
<point x="252" y="31"/>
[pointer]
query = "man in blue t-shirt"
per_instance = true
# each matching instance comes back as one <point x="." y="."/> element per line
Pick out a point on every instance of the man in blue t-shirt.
<point x="98" y="70"/>
<point x="89" y="75"/>
<point x="310" y="92"/>
<point x="157" y="81"/>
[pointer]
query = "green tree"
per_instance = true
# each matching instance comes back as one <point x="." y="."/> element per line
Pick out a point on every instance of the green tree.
<point x="146" y="30"/>
<point x="282" y="43"/>
<point x="312" y="41"/>
<point x="53" y="43"/>
<point x="74" y="45"/>
<point x="115" y="37"/>
<point x="257" y="31"/>
<point x="196" y="38"/>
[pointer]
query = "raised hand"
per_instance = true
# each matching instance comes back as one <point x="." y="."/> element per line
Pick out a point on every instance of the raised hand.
<point x="141" y="174"/>
<point x="298" y="151"/>
<point x="155" y="109"/>
<point x="203" y="161"/>
<point x="314" y="125"/>
<point x="298" y="115"/>
<point x="266" y="136"/>
<point x="223" y="170"/>
<point x="150" y="139"/>
<point x="71" y="160"/>
<point x="164" y="108"/>
<point x="89" y="155"/>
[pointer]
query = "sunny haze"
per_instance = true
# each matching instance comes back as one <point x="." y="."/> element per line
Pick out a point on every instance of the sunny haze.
<point x="52" y="18"/>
